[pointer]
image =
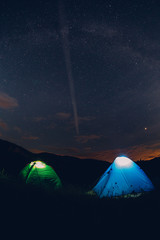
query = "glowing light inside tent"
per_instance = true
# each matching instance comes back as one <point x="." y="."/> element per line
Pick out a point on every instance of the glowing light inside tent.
<point x="32" y="163"/>
<point x="123" y="162"/>
<point x="38" y="164"/>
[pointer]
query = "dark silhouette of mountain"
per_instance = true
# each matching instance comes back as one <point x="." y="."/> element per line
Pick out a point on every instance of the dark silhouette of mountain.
<point x="84" y="172"/>
<point x="151" y="168"/>
<point x="71" y="170"/>
<point x="13" y="157"/>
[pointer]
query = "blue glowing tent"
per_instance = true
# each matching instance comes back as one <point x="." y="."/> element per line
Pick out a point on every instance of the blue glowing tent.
<point x="122" y="177"/>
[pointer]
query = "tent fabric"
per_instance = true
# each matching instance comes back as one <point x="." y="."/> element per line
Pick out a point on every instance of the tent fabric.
<point x="122" y="177"/>
<point x="41" y="174"/>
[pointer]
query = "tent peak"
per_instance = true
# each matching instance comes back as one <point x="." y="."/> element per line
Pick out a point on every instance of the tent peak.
<point x="38" y="164"/>
<point x="123" y="161"/>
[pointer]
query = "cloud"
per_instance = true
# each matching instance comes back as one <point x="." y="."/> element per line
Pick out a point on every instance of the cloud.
<point x="52" y="126"/>
<point x="7" y="102"/>
<point x="85" y="119"/>
<point x="39" y="119"/>
<point x="63" y="150"/>
<point x="30" y="137"/>
<point x="136" y="153"/>
<point x="3" y="125"/>
<point x="49" y="125"/>
<point x="17" y="129"/>
<point x="63" y="115"/>
<point x="86" y="138"/>
<point x="81" y="120"/>
<point x="145" y="151"/>
<point x="34" y="150"/>
<point x="70" y="151"/>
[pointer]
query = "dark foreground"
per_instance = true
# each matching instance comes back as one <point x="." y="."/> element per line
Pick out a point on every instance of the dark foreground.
<point x="33" y="212"/>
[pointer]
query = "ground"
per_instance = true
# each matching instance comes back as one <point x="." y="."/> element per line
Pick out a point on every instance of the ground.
<point x="69" y="212"/>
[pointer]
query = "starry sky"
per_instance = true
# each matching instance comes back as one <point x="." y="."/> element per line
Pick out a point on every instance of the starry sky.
<point x="81" y="78"/>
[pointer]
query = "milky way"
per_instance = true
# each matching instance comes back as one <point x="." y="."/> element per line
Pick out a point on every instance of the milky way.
<point x="100" y="79"/>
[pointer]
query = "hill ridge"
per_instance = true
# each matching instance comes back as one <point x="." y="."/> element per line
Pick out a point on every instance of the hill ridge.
<point x="72" y="170"/>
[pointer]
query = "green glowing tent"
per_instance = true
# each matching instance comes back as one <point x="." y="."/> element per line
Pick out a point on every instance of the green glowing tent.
<point x="41" y="174"/>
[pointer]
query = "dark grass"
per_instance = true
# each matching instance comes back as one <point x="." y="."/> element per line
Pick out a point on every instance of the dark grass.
<point x="71" y="211"/>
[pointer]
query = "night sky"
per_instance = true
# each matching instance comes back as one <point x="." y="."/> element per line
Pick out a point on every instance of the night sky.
<point x="81" y="78"/>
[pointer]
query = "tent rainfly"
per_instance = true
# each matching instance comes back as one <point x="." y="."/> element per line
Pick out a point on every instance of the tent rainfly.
<point x="41" y="174"/>
<point x="122" y="177"/>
